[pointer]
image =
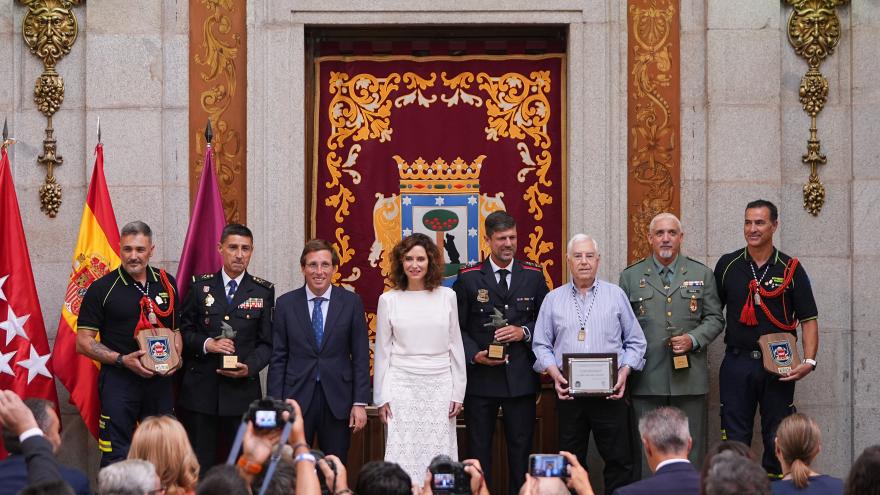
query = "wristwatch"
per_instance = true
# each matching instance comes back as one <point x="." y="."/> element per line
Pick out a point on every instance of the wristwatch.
<point x="811" y="362"/>
<point x="119" y="361"/>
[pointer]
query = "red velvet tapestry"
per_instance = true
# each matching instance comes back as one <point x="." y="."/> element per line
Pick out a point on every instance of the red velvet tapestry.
<point x="434" y="144"/>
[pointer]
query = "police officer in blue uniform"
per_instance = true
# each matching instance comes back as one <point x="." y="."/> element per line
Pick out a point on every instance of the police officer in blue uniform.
<point x="213" y="399"/>
<point x="516" y="289"/>
<point x="765" y="291"/>
<point x="111" y="307"/>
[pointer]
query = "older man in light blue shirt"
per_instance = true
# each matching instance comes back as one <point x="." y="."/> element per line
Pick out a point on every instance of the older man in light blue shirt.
<point x="592" y="316"/>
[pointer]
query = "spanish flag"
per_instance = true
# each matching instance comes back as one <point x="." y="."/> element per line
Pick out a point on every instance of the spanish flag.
<point x="96" y="253"/>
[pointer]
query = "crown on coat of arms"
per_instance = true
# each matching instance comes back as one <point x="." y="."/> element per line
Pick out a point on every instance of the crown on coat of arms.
<point x="457" y="176"/>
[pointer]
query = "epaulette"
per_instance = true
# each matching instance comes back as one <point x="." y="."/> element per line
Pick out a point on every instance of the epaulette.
<point x="634" y="263"/>
<point x="204" y="276"/>
<point x="469" y="267"/>
<point x="264" y="283"/>
<point x="531" y="266"/>
<point x="698" y="262"/>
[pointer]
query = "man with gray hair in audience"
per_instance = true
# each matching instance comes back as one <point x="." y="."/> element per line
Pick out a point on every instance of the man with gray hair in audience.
<point x="667" y="442"/>
<point x="588" y="315"/>
<point x="130" y="477"/>
<point x="733" y="474"/>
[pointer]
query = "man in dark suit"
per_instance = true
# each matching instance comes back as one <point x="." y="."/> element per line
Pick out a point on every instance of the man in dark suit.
<point x="321" y="355"/>
<point x="516" y="289"/>
<point x="31" y="435"/>
<point x="667" y="442"/>
<point x="214" y="399"/>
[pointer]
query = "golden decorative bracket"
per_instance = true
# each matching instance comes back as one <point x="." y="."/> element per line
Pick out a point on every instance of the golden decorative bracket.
<point x="49" y="30"/>
<point x="814" y="31"/>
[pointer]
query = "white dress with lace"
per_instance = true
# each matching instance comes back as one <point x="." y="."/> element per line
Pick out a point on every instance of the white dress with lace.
<point x="419" y="368"/>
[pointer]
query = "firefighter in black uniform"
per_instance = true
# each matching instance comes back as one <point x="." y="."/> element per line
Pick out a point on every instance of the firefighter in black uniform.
<point x="112" y="308"/>
<point x="516" y="289"/>
<point x="213" y="399"/>
<point x="765" y="291"/>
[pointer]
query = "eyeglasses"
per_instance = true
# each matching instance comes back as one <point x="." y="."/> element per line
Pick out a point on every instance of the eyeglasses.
<point x="315" y="266"/>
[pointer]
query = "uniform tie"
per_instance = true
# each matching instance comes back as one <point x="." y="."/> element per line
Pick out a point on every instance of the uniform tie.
<point x="502" y="280"/>
<point x="666" y="276"/>
<point x="231" y="292"/>
<point x="318" y="320"/>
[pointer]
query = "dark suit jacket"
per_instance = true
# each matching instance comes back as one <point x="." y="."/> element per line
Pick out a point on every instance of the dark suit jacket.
<point x="343" y="360"/>
<point x="477" y="294"/>
<point x="14" y="477"/>
<point x="679" y="478"/>
<point x="250" y="314"/>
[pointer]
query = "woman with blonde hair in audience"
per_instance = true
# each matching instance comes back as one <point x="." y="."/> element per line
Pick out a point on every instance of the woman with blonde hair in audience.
<point x="798" y="442"/>
<point x="163" y="441"/>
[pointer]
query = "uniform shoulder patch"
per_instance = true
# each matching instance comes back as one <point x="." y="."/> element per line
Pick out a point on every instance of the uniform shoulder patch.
<point x="204" y="276"/>
<point x="634" y="263"/>
<point x="264" y="283"/>
<point x="531" y="266"/>
<point x="469" y="267"/>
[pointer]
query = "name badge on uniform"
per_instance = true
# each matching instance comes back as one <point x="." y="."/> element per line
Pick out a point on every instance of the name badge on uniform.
<point x="483" y="295"/>
<point x="209" y="300"/>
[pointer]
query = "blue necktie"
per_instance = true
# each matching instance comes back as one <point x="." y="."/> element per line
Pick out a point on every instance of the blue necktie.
<point x="318" y="320"/>
<point x="231" y="292"/>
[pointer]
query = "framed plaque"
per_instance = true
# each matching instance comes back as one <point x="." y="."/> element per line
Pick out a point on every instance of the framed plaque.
<point x="590" y="375"/>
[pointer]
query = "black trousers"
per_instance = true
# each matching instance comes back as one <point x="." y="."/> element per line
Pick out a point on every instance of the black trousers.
<point x="126" y="399"/>
<point x="745" y="386"/>
<point x="211" y="436"/>
<point x="611" y="422"/>
<point x="334" y="435"/>
<point x="518" y="418"/>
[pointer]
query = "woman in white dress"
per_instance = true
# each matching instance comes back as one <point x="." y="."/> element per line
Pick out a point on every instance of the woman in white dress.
<point x="419" y="369"/>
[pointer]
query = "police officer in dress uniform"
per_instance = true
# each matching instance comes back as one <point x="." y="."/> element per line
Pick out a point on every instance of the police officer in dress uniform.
<point x="516" y="289"/>
<point x="111" y="307"/>
<point x="215" y="399"/>
<point x="676" y="302"/>
<point x="765" y="291"/>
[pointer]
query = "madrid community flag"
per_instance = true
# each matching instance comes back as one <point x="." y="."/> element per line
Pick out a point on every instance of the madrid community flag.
<point x="25" y="360"/>
<point x="200" y="254"/>
<point x="95" y="254"/>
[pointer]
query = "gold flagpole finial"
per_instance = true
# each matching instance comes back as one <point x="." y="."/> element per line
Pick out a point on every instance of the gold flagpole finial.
<point x="7" y="141"/>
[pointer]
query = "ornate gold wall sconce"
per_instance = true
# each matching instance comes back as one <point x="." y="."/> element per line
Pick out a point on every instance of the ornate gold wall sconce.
<point x="49" y="30"/>
<point x="814" y="31"/>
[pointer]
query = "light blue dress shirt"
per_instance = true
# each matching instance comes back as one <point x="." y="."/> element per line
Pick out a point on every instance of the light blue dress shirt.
<point x="610" y="327"/>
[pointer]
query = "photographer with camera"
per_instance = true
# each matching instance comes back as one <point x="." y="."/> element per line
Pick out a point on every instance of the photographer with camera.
<point x="266" y="423"/>
<point x="551" y="474"/>
<point x="448" y="476"/>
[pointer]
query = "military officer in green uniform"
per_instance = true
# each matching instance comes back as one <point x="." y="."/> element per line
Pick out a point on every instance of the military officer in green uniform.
<point x="676" y="301"/>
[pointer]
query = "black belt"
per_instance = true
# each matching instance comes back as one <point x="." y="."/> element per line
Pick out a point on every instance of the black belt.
<point x="739" y="351"/>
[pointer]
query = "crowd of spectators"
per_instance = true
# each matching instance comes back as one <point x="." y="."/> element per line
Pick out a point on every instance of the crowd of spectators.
<point x="161" y="462"/>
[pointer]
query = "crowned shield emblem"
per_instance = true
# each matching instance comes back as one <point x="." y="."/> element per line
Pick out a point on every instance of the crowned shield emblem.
<point x="86" y="270"/>
<point x="441" y="200"/>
